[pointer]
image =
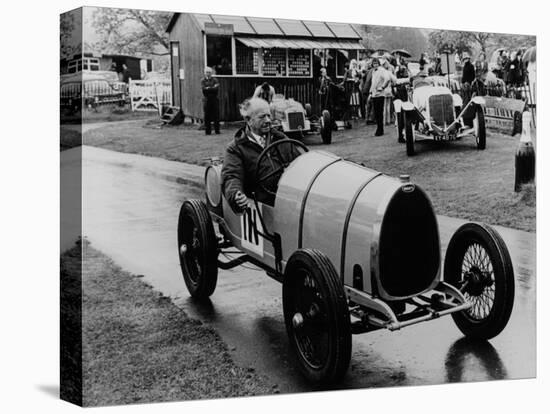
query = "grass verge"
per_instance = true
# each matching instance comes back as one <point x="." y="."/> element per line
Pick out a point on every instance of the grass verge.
<point x="107" y="113"/>
<point x="139" y="347"/>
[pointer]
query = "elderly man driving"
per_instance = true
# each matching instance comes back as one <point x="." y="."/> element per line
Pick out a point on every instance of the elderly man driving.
<point x="239" y="167"/>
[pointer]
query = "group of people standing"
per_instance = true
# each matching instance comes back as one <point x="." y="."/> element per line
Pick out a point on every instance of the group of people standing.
<point x="372" y="86"/>
<point x="123" y="72"/>
<point x="509" y="67"/>
<point x="506" y="74"/>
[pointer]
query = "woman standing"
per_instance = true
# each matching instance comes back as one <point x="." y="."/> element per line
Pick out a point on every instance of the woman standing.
<point x="481" y="66"/>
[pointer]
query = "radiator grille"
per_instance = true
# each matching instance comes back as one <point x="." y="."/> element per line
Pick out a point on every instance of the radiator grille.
<point x="441" y="109"/>
<point x="296" y="120"/>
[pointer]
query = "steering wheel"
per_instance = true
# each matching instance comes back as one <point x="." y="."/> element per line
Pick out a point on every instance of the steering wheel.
<point x="274" y="159"/>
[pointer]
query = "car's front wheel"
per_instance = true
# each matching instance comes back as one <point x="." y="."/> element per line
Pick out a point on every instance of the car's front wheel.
<point x="477" y="263"/>
<point x="316" y="316"/>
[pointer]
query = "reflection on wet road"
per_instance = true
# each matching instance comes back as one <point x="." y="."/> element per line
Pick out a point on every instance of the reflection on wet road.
<point x="131" y="214"/>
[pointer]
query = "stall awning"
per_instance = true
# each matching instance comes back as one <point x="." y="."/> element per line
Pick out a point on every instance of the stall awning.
<point x="276" y="42"/>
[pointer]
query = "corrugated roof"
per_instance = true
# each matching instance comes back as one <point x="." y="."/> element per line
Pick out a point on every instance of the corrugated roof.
<point x="240" y="25"/>
<point x="265" y="26"/>
<point x="319" y="29"/>
<point x="203" y="18"/>
<point x="276" y="27"/>
<point x="293" y="27"/>
<point x="342" y="30"/>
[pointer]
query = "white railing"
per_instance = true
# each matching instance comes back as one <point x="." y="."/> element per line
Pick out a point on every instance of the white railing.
<point x="150" y="95"/>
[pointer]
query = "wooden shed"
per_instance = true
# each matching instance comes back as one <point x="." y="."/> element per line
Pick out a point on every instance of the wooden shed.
<point x="244" y="52"/>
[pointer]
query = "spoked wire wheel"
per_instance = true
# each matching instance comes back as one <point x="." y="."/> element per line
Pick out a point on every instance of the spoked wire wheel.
<point x="197" y="249"/>
<point x="316" y="316"/>
<point x="477" y="262"/>
<point x="478" y="281"/>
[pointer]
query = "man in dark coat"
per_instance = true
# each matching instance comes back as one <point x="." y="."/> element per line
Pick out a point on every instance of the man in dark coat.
<point x="210" y="87"/>
<point x="239" y="167"/>
<point x="324" y="89"/>
<point x="514" y="70"/>
<point x="468" y="71"/>
<point x="468" y="76"/>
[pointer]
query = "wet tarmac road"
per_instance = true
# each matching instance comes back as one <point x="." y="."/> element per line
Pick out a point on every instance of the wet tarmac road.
<point x="130" y="209"/>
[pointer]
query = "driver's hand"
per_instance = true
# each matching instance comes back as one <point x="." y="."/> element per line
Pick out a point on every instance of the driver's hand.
<point x="241" y="200"/>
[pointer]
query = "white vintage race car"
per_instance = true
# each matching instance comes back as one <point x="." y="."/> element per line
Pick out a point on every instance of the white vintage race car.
<point x="435" y="113"/>
<point x="296" y="120"/>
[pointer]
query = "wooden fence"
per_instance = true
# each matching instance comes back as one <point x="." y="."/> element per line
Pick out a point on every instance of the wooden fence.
<point x="150" y="95"/>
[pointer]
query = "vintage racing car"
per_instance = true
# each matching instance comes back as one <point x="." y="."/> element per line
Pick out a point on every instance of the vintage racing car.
<point x="355" y="251"/>
<point x="294" y="120"/>
<point x="435" y="113"/>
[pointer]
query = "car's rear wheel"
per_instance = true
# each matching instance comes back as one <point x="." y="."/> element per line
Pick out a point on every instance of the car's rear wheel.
<point x="326" y="127"/>
<point x="479" y="128"/>
<point x="477" y="262"/>
<point x="317" y="316"/>
<point x="197" y="249"/>
<point x="409" y="135"/>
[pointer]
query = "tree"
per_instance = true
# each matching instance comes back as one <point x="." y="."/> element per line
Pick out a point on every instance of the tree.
<point x="390" y="38"/>
<point x="478" y="41"/>
<point x="127" y="31"/>
<point x="453" y="41"/>
<point x="481" y="39"/>
<point x="70" y="34"/>
<point x="512" y="41"/>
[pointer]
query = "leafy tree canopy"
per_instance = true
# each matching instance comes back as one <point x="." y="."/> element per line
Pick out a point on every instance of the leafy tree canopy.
<point x="388" y="37"/>
<point x="456" y="41"/>
<point x="128" y="31"/>
<point x="70" y="33"/>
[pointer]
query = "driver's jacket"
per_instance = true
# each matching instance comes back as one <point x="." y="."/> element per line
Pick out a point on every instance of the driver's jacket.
<point x="239" y="167"/>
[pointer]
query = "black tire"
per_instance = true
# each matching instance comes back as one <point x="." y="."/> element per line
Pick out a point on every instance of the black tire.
<point x="308" y="109"/>
<point x="518" y="123"/>
<point x="400" y="126"/>
<point x="478" y="263"/>
<point x="481" y="138"/>
<point x="326" y="127"/>
<point x="199" y="262"/>
<point x="409" y="135"/>
<point x="313" y="292"/>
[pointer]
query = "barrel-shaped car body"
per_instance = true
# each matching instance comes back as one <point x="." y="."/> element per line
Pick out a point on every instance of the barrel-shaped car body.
<point x="380" y="233"/>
